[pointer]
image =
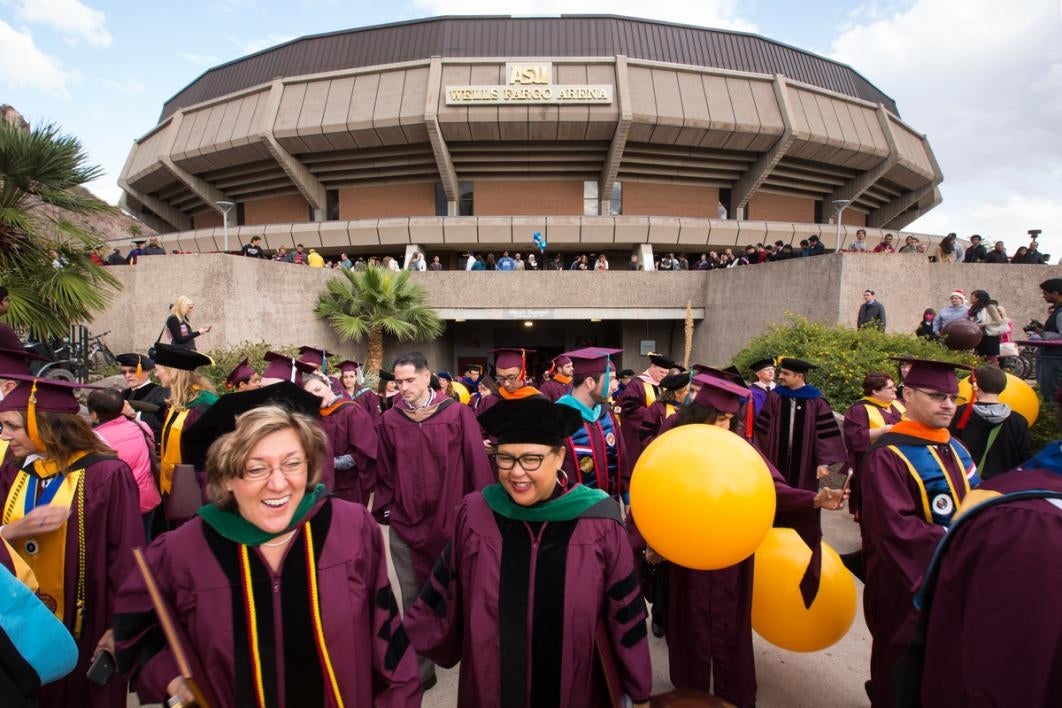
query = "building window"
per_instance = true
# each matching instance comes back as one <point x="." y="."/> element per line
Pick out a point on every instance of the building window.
<point x="591" y="205"/>
<point x="464" y="199"/>
<point x="239" y="214"/>
<point x="615" y="204"/>
<point x="332" y="205"/>
<point x="464" y="204"/>
<point x="724" y="199"/>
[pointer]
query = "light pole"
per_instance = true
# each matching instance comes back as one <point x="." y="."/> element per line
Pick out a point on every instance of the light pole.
<point x="225" y="207"/>
<point x="839" y="205"/>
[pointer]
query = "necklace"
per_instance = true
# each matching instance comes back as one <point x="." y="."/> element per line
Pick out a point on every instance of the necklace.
<point x="287" y="538"/>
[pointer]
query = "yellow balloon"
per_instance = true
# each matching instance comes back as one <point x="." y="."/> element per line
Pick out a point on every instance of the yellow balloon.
<point x="1019" y="395"/>
<point x="702" y="497"/>
<point x="461" y="391"/>
<point x="778" y="612"/>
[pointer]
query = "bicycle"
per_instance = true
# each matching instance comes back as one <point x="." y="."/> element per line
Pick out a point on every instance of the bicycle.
<point x="99" y="354"/>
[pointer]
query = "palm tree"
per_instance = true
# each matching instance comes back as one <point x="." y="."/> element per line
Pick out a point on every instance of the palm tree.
<point x="365" y="305"/>
<point x="41" y="178"/>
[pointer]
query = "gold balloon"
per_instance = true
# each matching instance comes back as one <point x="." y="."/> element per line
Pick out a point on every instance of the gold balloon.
<point x="461" y="391"/>
<point x="702" y="497"/>
<point x="1019" y="395"/>
<point x="778" y="612"/>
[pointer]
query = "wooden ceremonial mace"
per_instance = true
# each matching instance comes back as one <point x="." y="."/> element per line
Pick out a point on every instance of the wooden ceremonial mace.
<point x="187" y="662"/>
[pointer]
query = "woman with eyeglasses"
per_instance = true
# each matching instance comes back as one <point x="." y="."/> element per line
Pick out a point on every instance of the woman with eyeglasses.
<point x="537" y="581"/>
<point x="868" y="419"/>
<point x="280" y="589"/>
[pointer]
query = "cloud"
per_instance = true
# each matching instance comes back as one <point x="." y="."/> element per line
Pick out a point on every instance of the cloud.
<point x="983" y="81"/>
<point x="24" y="66"/>
<point x="199" y="59"/>
<point x="70" y="17"/>
<point x="722" y="14"/>
<point x="126" y="85"/>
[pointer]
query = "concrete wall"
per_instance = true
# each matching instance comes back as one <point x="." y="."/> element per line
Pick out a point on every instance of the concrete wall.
<point x="248" y="300"/>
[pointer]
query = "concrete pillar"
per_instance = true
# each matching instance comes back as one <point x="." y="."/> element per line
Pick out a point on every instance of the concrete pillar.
<point x="410" y="250"/>
<point x="645" y="256"/>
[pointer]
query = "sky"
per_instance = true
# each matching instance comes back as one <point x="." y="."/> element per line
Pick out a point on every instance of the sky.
<point x="982" y="79"/>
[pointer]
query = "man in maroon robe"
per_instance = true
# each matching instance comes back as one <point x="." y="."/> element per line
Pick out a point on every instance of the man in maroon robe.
<point x="992" y="635"/>
<point x="559" y="382"/>
<point x="796" y="429"/>
<point x="634" y="402"/>
<point x="431" y="455"/>
<point x="912" y="480"/>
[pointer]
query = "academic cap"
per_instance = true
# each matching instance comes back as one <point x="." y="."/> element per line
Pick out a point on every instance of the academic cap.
<point x="931" y="375"/>
<point x="510" y="357"/>
<point x="591" y="361"/>
<point x="242" y="372"/>
<point x="624" y="373"/>
<point x="661" y="361"/>
<point x="285" y="368"/>
<point x="386" y="375"/>
<point x="730" y="373"/>
<point x="134" y="359"/>
<point x="220" y="418"/>
<point x="182" y="358"/>
<point x="313" y="355"/>
<point x="16" y="361"/>
<point x="50" y="395"/>
<point x="798" y="366"/>
<point x="445" y="375"/>
<point x="675" y="382"/>
<point x="562" y="360"/>
<point x="720" y="394"/>
<point x="759" y="364"/>
<point x="348" y="365"/>
<point x="530" y="420"/>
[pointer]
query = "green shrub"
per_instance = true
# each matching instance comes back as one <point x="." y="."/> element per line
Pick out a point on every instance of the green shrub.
<point x="225" y="360"/>
<point x="844" y="355"/>
<point x="1046" y="427"/>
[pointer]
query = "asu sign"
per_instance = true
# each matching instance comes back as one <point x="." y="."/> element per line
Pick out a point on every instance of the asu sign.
<point x="528" y="83"/>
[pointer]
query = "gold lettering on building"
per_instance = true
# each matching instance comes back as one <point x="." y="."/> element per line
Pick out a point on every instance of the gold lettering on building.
<point x="528" y="84"/>
<point x="529" y="73"/>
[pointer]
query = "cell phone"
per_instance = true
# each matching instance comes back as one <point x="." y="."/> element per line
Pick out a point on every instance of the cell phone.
<point x="847" y="480"/>
<point x="102" y="668"/>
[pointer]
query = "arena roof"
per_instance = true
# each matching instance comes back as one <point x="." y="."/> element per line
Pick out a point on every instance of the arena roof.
<point x="502" y="36"/>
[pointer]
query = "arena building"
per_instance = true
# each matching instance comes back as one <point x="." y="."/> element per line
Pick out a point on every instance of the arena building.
<point x="601" y="134"/>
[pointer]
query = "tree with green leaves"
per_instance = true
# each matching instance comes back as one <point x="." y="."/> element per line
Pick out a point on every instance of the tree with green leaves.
<point x="42" y="173"/>
<point x="365" y="305"/>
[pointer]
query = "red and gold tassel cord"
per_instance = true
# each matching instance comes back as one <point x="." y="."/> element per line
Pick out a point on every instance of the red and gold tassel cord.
<point x="965" y="419"/>
<point x="750" y="418"/>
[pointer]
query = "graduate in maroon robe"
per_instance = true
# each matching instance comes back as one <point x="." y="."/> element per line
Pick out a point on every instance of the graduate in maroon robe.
<point x="596" y="453"/>
<point x="559" y="382"/>
<point x="431" y="455"/>
<point x="71" y="511"/>
<point x="868" y="419"/>
<point x="673" y="395"/>
<point x="634" y="402"/>
<point x="992" y="636"/>
<point x="796" y="429"/>
<point x="281" y="590"/>
<point x="536" y="574"/>
<point x="353" y="388"/>
<point x="709" y="612"/>
<point x="352" y="438"/>
<point x="510" y="368"/>
<point x="912" y="480"/>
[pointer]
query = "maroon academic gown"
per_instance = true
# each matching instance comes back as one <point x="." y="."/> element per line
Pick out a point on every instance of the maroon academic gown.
<point x="370" y="401"/>
<point x="856" y="428"/>
<point x="633" y="410"/>
<point x="351" y="431"/>
<point x="655" y="416"/>
<point x="518" y="604"/>
<point x="993" y="632"/>
<point x="553" y="389"/>
<point x="709" y="612"/>
<point x="199" y="573"/>
<point x="112" y="527"/>
<point x="816" y="437"/>
<point x="898" y="543"/>
<point x="423" y="471"/>
<point x="482" y="403"/>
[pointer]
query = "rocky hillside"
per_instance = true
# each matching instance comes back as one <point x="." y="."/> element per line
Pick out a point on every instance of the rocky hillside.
<point x="112" y="226"/>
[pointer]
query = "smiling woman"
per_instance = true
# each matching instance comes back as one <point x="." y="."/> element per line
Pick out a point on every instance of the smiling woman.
<point x="280" y="558"/>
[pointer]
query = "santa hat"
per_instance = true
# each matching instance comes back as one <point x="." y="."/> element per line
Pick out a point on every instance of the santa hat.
<point x="957" y="293"/>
